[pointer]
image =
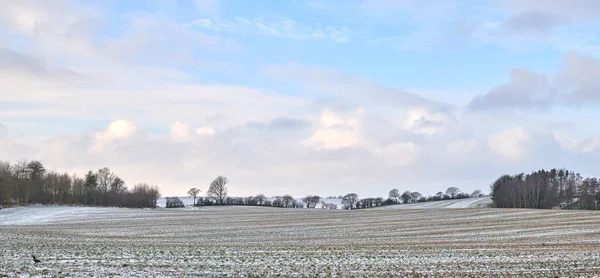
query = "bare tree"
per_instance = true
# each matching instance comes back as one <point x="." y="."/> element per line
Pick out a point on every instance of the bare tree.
<point x="174" y="202"/>
<point x="288" y="201"/>
<point x="406" y="197"/>
<point x="415" y="196"/>
<point x="260" y="199"/>
<point x="29" y="181"/>
<point x="193" y="192"/>
<point x="218" y="189"/>
<point x="394" y="195"/>
<point x="476" y="193"/>
<point x="311" y="201"/>
<point x="452" y="191"/>
<point x="349" y="201"/>
<point x="105" y="178"/>
<point x="36" y="172"/>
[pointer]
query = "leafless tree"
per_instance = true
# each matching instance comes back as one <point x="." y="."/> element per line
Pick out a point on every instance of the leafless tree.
<point x="476" y="193"/>
<point x="193" y="192"/>
<point x="311" y="201"/>
<point x="394" y="195"/>
<point x="325" y="205"/>
<point x="218" y="189"/>
<point x="406" y="197"/>
<point x="288" y="201"/>
<point x="349" y="201"/>
<point x="105" y="178"/>
<point x="452" y="191"/>
<point x="260" y="199"/>
<point x="174" y="202"/>
<point x="29" y="181"/>
<point x="415" y="196"/>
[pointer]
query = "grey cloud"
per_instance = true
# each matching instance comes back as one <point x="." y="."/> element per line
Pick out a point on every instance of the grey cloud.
<point x="280" y="123"/>
<point x="358" y="89"/>
<point x="573" y="9"/>
<point x="11" y="60"/>
<point x="580" y="79"/>
<point x="576" y="83"/>
<point x="525" y="90"/>
<point x="534" y="22"/>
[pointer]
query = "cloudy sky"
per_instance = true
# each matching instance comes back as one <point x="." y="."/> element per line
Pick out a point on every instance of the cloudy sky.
<point x="317" y="96"/>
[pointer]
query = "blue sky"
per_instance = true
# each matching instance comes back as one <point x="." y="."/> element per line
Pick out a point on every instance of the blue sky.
<point x="302" y="97"/>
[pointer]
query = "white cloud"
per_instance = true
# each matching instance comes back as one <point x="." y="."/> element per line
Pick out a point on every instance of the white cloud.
<point x="180" y="132"/>
<point x="205" y="130"/>
<point x="574" y="144"/>
<point x="337" y="131"/>
<point x="117" y="130"/>
<point x="184" y="133"/>
<point x="427" y="122"/>
<point x="142" y="105"/>
<point x="511" y="144"/>
<point x="460" y="149"/>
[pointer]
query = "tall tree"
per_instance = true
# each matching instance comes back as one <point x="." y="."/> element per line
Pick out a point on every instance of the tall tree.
<point x="415" y="196"/>
<point x="406" y="197"/>
<point x="260" y="199"/>
<point x="394" y="195"/>
<point x="105" y="178"/>
<point x="6" y="183"/>
<point x="311" y="201"/>
<point x="36" y="172"/>
<point x="22" y="181"/>
<point x="349" y="201"/>
<point x="218" y="189"/>
<point x="91" y="185"/>
<point x="452" y="191"/>
<point x="193" y="192"/>
<point x="288" y="201"/>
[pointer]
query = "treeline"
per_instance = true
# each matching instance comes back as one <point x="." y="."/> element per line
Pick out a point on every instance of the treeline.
<point x="217" y="195"/>
<point x="28" y="182"/>
<point x="553" y="189"/>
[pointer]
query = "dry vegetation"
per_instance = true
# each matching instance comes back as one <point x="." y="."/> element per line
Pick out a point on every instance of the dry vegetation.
<point x="262" y="242"/>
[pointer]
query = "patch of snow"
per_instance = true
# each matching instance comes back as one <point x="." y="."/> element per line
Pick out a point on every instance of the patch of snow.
<point x="482" y="202"/>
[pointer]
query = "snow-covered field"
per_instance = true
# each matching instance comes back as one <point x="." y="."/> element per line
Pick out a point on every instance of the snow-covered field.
<point x="266" y="242"/>
<point x="482" y="202"/>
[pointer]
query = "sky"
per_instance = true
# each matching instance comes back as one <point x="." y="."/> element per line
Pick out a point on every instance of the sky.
<point x="302" y="97"/>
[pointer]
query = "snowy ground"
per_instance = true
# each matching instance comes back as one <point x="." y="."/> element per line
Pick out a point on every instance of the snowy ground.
<point x="267" y="242"/>
<point x="482" y="202"/>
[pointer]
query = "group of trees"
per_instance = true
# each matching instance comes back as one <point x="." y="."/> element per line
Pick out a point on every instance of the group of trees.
<point x="28" y="182"/>
<point x="556" y="188"/>
<point x="217" y="195"/>
<point x="416" y="197"/>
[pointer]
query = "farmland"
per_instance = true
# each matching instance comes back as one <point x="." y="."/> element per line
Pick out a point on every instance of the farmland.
<point x="263" y="242"/>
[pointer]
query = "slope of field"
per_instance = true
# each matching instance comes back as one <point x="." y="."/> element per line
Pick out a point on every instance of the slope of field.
<point x="482" y="202"/>
<point x="268" y="242"/>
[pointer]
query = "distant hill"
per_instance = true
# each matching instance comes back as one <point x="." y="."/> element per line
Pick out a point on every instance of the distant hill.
<point x="482" y="202"/>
